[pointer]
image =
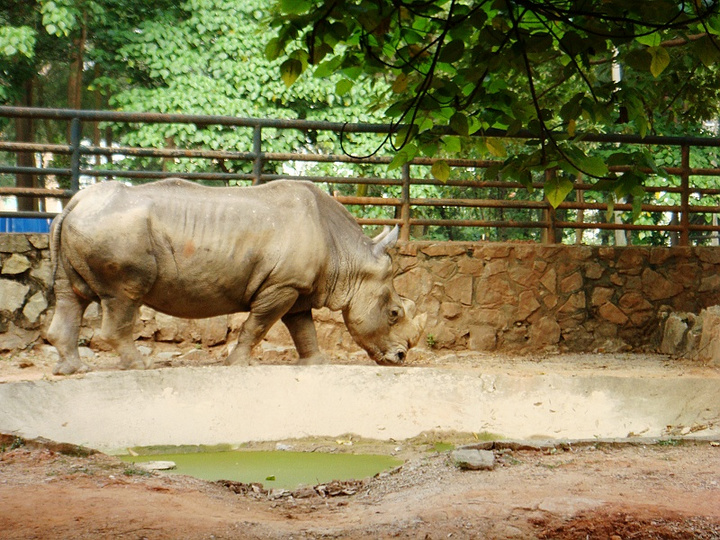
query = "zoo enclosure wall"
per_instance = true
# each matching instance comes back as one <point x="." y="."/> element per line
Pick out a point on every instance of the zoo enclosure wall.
<point x="481" y="296"/>
<point x="680" y="207"/>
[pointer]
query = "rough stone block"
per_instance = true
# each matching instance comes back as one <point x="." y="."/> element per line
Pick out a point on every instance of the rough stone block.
<point x="460" y="289"/>
<point x="601" y="295"/>
<point x="35" y="307"/>
<point x="16" y="338"/>
<point x="43" y="272"/>
<point x="674" y="332"/>
<point x="594" y="270"/>
<point x="571" y="283"/>
<point x="527" y="305"/>
<point x="482" y="338"/>
<point x="14" y="243"/>
<point x="611" y="313"/>
<point x="473" y="460"/>
<point x="709" y="346"/>
<point x="16" y="264"/>
<point x="633" y="301"/>
<point x="549" y="280"/>
<point x="12" y="294"/>
<point x="656" y="287"/>
<point x="544" y="332"/>
<point x="450" y="310"/>
<point x="39" y="241"/>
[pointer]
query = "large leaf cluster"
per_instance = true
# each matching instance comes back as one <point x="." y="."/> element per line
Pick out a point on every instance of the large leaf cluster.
<point x="208" y="57"/>
<point x="552" y="69"/>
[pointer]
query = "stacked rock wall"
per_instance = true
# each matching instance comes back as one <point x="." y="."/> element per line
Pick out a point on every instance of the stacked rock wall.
<point x="518" y="296"/>
<point x="506" y="297"/>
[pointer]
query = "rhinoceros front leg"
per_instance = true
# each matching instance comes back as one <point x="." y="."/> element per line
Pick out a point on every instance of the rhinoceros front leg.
<point x="64" y="329"/>
<point x="118" y="319"/>
<point x="302" y="330"/>
<point x="266" y="309"/>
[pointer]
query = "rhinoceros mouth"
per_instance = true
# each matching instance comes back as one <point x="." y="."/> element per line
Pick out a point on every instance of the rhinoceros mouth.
<point x="393" y="358"/>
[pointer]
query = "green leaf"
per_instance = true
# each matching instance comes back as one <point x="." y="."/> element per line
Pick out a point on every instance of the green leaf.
<point x="452" y="144"/>
<point x="328" y="67"/>
<point x="452" y="52"/>
<point x="496" y="147"/>
<point x="400" y="83"/>
<point x="459" y="124"/>
<point x="293" y="7"/>
<point x="273" y="49"/>
<point x="440" y="170"/>
<point x="660" y="60"/>
<point x="343" y="86"/>
<point x="557" y="188"/>
<point x="650" y="40"/>
<point x="406" y="134"/>
<point x="290" y="70"/>
<point x="402" y="157"/>
<point x="591" y="165"/>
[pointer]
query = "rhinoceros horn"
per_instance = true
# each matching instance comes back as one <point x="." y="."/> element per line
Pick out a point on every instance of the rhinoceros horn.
<point x="385" y="240"/>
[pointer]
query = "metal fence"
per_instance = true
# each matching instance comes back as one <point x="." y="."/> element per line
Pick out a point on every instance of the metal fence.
<point x="679" y="207"/>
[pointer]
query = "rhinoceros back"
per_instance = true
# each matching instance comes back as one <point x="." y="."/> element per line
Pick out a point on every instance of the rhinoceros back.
<point x="194" y="251"/>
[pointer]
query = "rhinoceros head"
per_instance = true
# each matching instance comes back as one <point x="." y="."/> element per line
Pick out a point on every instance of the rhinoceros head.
<point x="379" y="320"/>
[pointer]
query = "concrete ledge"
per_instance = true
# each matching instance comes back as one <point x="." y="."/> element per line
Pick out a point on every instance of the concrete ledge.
<point x="214" y="405"/>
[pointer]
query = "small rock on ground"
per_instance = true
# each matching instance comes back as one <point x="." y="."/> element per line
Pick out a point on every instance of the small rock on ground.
<point x="473" y="460"/>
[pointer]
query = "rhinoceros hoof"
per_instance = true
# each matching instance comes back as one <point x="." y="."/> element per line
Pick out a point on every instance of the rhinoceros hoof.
<point x="314" y="360"/>
<point x="68" y="368"/>
<point x="138" y="364"/>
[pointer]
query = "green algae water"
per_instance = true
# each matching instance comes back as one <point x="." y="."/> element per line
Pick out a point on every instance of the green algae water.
<point x="274" y="469"/>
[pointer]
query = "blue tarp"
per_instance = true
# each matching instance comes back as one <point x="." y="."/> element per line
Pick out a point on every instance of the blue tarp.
<point x="24" y="225"/>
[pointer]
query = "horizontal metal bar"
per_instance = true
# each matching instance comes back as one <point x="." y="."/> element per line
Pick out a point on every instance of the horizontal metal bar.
<point x="369" y="201"/>
<point x="616" y="226"/>
<point x="479" y="223"/>
<point x="310" y="125"/>
<point x="36" y="192"/>
<point x="198" y="119"/>
<point x="26" y="214"/>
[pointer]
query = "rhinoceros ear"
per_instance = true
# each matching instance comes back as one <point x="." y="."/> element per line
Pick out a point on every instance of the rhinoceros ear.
<point x="385" y="242"/>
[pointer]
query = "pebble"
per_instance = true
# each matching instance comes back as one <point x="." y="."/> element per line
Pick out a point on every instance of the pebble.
<point x="156" y="465"/>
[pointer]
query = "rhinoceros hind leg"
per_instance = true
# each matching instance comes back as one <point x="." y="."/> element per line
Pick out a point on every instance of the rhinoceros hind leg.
<point x="118" y="319"/>
<point x="64" y="328"/>
<point x="302" y="331"/>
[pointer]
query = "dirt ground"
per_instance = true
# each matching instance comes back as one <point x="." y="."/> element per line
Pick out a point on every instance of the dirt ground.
<point x="669" y="490"/>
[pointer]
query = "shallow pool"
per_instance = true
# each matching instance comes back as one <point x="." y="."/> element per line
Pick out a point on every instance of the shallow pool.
<point x="276" y="469"/>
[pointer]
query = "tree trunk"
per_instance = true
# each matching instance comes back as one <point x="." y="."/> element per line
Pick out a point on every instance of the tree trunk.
<point x="25" y="132"/>
<point x="76" y="70"/>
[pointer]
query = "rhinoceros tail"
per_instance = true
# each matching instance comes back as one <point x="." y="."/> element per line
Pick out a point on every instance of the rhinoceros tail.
<point x="55" y="236"/>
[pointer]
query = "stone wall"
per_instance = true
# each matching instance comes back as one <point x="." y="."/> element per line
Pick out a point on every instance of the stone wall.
<point x="523" y="297"/>
<point x="508" y="297"/>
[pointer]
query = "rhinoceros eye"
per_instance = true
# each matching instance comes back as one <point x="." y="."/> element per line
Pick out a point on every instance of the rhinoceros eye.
<point x="394" y="314"/>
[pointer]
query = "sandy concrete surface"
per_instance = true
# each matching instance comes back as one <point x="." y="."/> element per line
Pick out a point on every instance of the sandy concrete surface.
<point x="112" y="410"/>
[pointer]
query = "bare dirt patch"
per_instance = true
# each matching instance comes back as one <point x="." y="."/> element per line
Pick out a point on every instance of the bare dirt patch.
<point x="669" y="490"/>
<point x="598" y="491"/>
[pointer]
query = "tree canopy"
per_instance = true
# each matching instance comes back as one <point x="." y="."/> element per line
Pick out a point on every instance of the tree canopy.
<point x="555" y="69"/>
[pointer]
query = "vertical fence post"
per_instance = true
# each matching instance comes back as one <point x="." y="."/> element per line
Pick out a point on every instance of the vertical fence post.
<point x="257" y="151"/>
<point x="405" y="207"/>
<point x="685" y="195"/>
<point x="549" y="234"/>
<point x="75" y="138"/>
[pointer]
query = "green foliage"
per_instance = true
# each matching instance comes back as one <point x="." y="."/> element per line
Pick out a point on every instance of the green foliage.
<point x="210" y="57"/>
<point x="555" y="69"/>
<point x="17" y="41"/>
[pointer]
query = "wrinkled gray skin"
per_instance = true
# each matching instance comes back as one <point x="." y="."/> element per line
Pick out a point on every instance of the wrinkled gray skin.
<point x="276" y="250"/>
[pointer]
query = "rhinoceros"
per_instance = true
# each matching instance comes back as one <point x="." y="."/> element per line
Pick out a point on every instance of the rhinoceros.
<point x="276" y="250"/>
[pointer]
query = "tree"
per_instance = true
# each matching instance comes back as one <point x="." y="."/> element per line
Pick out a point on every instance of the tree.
<point x="208" y="57"/>
<point x="45" y="47"/>
<point x="554" y="69"/>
